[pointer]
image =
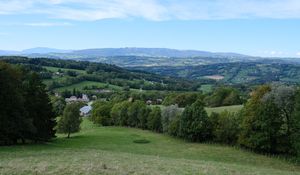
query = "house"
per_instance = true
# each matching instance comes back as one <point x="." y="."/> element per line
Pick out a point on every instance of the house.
<point x="72" y="99"/>
<point x="149" y="102"/>
<point x="85" y="110"/>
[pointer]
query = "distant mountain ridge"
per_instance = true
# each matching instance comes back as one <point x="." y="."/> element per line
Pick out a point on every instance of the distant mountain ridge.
<point x="139" y="57"/>
<point x="127" y="51"/>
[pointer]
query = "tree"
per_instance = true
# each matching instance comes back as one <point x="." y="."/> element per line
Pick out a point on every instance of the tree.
<point x="194" y="123"/>
<point x="70" y="121"/>
<point x="154" y="120"/>
<point x="119" y="113"/>
<point x="101" y="113"/>
<point x="169" y="114"/>
<point x="143" y="116"/>
<point x="59" y="105"/>
<point x="262" y="123"/>
<point x="225" y="127"/>
<point x="224" y="96"/>
<point x="134" y="111"/>
<point x="295" y="127"/>
<point x="39" y="108"/>
<point x="14" y="122"/>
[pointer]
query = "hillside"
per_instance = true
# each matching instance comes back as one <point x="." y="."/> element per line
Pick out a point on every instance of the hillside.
<point x="111" y="150"/>
<point x="70" y="74"/>
<point x="235" y="73"/>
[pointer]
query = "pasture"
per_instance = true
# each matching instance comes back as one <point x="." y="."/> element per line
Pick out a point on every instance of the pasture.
<point x="115" y="150"/>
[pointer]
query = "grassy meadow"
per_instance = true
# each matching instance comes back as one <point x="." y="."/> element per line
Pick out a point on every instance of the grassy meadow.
<point x="112" y="150"/>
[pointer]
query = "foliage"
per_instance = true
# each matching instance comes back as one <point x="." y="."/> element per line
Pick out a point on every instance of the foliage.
<point x="59" y="105"/>
<point x="119" y="113"/>
<point x="169" y="114"/>
<point x="194" y="123"/>
<point x="225" y="127"/>
<point x="295" y="126"/>
<point x="154" y="120"/>
<point x="224" y="96"/>
<point x="182" y="99"/>
<point x="70" y="121"/>
<point x="26" y="112"/>
<point x="266" y="126"/>
<point x="101" y="113"/>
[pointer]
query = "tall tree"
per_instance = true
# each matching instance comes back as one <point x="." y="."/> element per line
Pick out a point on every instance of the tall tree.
<point x="39" y="108"/>
<point x="14" y="122"/>
<point x="70" y="120"/>
<point x="295" y="127"/>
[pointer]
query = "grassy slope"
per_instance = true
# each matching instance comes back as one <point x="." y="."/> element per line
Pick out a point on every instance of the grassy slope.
<point x="233" y="108"/>
<point x="81" y="85"/>
<point x="110" y="150"/>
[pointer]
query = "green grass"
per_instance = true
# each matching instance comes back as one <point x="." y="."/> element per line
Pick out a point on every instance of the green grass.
<point x="112" y="150"/>
<point x="55" y="69"/>
<point x="233" y="108"/>
<point x="81" y="85"/>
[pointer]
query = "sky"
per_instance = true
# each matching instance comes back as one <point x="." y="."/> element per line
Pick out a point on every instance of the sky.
<point x="254" y="27"/>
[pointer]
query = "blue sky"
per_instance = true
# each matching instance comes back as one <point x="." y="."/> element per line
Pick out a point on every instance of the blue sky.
<point x="254" y="27"/>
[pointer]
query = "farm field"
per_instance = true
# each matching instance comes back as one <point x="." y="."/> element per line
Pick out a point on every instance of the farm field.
<point x="111" y="150"/>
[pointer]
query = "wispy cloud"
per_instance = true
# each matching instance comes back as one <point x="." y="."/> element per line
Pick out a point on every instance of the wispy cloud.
<point x="90" y="10"/>
<point x="298" y="54"/>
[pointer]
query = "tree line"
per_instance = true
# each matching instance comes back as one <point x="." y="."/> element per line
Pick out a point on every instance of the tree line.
<point x="268" y="123"/>
<point x="26" y="112"/>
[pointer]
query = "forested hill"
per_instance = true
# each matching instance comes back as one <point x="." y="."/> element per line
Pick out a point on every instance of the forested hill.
<point x="64" y="73"/>
<point x="235" y="73"/>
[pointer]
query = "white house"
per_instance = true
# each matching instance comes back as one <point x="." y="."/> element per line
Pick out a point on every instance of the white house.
<point x="85" y="110"/>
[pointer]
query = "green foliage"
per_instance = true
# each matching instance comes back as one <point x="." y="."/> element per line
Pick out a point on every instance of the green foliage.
<point x="181" y="99"/>
<point x="136" y="111"/>
<point x="101" y="113"/>
<point x="194" y="123"/>
<point x="26" y="112"/>
<point x="225" y="127"/>
<point x="154" y="120"/>
<point x="295" y="126"/>
<point x="59" y="105"/>
<point x="169" y="114"/>
<point x="265" y="127"/>
<point x="39" y="108"/>
<point x="119" y="113"/>
<point x="224" y="96"/>
<point x="70" y="121"/>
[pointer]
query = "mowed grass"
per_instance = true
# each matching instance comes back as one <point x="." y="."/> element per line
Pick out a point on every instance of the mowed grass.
<point x="111" y="150"/>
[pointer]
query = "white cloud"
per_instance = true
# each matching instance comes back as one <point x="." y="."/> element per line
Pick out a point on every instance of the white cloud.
<point x="298" y="53"/>
<point x="90" y="10"/>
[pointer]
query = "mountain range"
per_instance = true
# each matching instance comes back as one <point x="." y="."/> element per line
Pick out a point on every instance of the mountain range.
<point x="136" y="57"/>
